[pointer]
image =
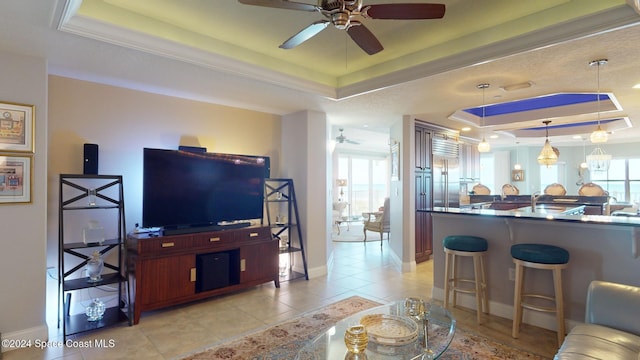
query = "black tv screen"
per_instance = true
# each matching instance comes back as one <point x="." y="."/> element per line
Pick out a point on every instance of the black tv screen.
<point x="184" y="189"/>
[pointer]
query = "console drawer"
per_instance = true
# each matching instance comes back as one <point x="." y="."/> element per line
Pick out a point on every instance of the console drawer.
<point x="211" y="239"/>
<point x="262" y="233"/>
<point x="164" y="245"/>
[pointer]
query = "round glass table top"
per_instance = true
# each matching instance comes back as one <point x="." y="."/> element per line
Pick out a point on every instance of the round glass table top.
<point x="439" y="322"/>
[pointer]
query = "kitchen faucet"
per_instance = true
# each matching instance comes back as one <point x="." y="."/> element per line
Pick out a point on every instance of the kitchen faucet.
<point x="534" y="200"/>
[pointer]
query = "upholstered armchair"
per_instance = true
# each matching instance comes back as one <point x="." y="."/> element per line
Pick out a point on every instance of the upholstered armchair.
<point x="338" y="209"/>
<point x="378" y="222"/>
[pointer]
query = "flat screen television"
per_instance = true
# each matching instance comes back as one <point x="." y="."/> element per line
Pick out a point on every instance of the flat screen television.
<point x="189" y="192"/>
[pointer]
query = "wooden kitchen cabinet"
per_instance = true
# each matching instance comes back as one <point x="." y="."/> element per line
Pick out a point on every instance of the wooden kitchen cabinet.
<point x="422" y="148"/>
<point x="423" y="236"/>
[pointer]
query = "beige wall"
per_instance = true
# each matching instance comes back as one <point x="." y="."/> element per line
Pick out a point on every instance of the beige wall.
<point x="122" y="122"/>
<point x="22" y="243"/>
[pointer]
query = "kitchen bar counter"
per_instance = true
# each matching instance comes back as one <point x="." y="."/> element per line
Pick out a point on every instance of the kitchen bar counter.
<point x="543" y="212"/>
<point x="600" y="247"/>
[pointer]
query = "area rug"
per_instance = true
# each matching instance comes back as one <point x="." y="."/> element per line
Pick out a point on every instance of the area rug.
<point x="355" y="233"/>
<point x="283" y="341"/>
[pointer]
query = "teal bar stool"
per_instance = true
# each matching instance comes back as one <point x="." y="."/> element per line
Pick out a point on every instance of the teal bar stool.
<point x="466" y="246"/>
<point x="544" y="257"/>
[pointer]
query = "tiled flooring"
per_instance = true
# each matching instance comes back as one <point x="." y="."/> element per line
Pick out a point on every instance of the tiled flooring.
<point x="358" y="269"/>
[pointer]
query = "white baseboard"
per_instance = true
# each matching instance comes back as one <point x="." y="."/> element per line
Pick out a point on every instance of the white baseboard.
<point x="316" y="271"/>
<point x="535" y="318"/>
<point x="25" y="337"/>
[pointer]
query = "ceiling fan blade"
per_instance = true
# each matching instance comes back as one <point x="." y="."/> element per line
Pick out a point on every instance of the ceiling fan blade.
<point x="404" y="11"/>
<point x="305" y="34"/>
<point x="351" y="142"/>
<point x="281" y="4"/>
<point x="364" y="38"/>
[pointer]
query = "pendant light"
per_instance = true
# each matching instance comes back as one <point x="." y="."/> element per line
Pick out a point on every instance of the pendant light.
<point x="599" y="136"/>
<point x="548" y="155"/>
<point x="598" y="160"/>
<point x="483" y="146"/>
<point x="517" y="165"/>
<point x="584" y="165"/>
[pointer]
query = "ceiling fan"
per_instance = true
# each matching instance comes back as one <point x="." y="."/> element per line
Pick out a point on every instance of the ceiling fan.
<point x="341" y="139"/>
<point x="343" y="15"/>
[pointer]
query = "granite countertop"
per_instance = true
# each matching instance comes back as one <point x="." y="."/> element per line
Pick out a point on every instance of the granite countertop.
<point x="543" y="212"/>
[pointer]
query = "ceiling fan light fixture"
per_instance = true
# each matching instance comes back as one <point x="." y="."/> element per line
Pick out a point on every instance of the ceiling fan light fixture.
<point x="548" y="155"/>
<point x="342" y="15"/>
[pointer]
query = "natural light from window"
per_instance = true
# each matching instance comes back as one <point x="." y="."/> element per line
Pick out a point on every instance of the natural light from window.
<point x="367" y="182"/>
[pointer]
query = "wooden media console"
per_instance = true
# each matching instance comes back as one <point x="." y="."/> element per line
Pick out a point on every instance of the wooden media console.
<point x="164" y="270"/>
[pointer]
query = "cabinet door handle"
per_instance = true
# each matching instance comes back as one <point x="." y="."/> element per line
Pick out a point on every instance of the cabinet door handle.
<point x="168" y="244"/>
<point x="192" y="275"/>
<point x="243" y="265"/>
<point x="214" y="239"/>
<point x="253" y="234"/>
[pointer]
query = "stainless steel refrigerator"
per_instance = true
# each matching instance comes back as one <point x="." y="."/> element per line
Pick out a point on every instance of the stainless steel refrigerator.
<point x="446" y="173"/>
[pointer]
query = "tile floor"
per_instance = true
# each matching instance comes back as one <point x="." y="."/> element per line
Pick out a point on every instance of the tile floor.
<point x="358" y="269"/>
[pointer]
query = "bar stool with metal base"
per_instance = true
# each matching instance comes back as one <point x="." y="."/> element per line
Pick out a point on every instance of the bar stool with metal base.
<point x="544" y="257"/>
<point x="467" y="246"/>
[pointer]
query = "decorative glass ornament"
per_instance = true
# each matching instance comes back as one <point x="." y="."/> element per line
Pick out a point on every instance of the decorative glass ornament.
<point x="95" y="310"/>
<point x="356" y="339"/>
<point x="95" y="265"/>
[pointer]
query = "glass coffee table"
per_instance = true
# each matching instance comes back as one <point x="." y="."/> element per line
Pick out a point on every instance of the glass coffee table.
<point x="348" y="221"/>
<point x="441" y="328"/>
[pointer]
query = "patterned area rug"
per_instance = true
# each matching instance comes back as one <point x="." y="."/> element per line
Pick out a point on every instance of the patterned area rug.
<point x="283" y="341"/>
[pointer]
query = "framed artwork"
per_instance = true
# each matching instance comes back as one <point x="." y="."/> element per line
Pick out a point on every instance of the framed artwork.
<point x="15" y="178"/>
<point x="395" y="161"/>
<point x="517" y="175"/>
<point x="16" y="127"/>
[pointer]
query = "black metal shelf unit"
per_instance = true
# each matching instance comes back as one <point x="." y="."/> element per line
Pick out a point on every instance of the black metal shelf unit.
<point x="81" y="197"/>
<point x="284" y="221"/>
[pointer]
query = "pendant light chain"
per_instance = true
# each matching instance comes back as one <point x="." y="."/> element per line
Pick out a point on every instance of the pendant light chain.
<point x="483" y="146"/>
<point x="599" y="135"/>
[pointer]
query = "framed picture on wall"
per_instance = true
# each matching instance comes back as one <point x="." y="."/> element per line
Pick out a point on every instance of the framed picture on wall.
<point x="395" y="161"/>
<point x="517" y="175"/>
<point x="15" y="178"/>
<point x="16" y="127"/>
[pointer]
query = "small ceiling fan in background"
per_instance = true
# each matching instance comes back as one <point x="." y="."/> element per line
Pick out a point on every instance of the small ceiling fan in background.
<point x="343" y="15"/>
<point x="341" y="139"/>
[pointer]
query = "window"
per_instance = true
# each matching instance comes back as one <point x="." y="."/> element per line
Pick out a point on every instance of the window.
<point x="552" y="174"/>
<point x="367" y="182"/>
<point x="622" y="181"/>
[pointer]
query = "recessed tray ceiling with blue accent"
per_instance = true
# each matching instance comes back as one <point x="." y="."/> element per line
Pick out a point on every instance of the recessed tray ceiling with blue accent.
<point x="537" y="103"/>
<point x="573" y="112"/>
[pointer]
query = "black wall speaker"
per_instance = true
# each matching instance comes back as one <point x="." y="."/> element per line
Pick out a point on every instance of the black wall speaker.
<point x="90" y="159"/>
<point x="267" y="167"/>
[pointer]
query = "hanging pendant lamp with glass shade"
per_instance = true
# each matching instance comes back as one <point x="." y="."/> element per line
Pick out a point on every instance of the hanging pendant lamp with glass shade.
<point x="548" y="155"/>
<point x="483" y="146"/>
<point x="598" y="160"/>
<point x="584" y="164"/>
<point x="598" y="136"/>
